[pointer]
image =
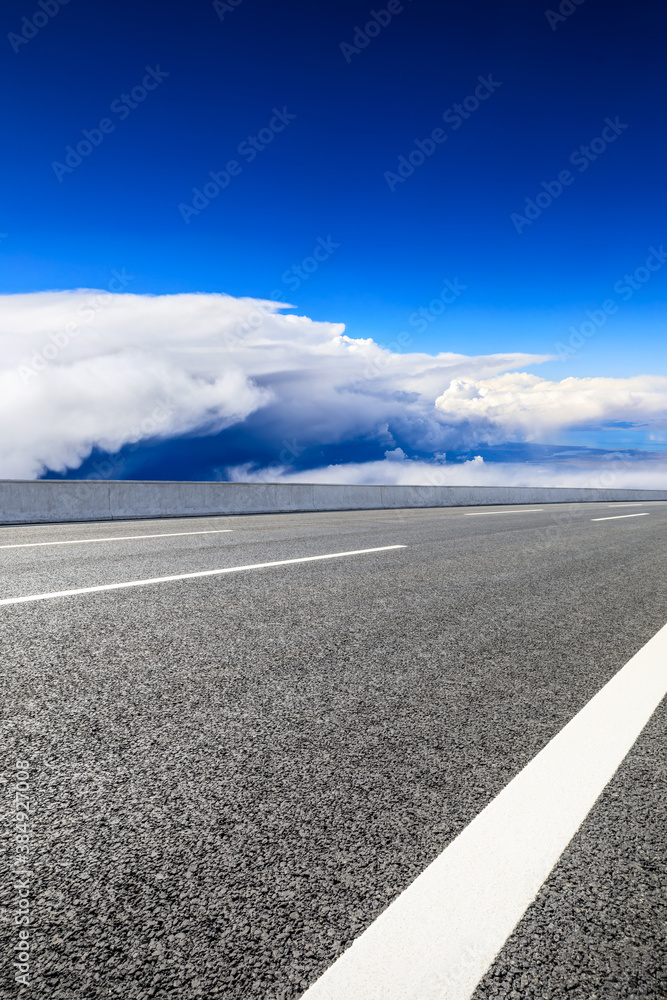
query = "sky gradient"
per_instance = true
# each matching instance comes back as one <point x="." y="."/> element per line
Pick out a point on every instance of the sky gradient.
<point x="482" y="178"/>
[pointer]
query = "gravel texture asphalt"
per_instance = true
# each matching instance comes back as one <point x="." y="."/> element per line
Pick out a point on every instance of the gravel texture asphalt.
<point x="597" y="930"/>
<point x="233" y="776"/>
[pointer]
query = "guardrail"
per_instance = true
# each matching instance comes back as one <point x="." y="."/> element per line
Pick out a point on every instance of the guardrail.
<point x="55" y="501"/>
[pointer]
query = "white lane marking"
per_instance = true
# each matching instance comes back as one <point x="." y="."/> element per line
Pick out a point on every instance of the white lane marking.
<point x="192" y="576"/>
<point x="481" y="513"/>
<point x="439" y="938"/>
<point x="115" y="538"/>
<point x="617" y="517"/>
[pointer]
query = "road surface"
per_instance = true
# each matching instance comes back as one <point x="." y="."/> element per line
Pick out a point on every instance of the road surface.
<point x="231" y="775"/>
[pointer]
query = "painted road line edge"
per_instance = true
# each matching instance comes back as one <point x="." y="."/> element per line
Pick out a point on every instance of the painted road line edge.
<point x="192" y="576"/>
<point x="115" y="538"/>
<point x="440" y="937"/>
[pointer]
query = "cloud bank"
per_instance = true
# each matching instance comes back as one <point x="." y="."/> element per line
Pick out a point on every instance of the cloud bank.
<point x="84" y="370"/>
<point x="609" y="472"/>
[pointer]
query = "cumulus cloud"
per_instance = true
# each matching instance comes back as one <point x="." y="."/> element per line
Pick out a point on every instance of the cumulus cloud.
<point x="86" y="369"/>
<point x="521" y="407"/>
<point x="81" y="370"/>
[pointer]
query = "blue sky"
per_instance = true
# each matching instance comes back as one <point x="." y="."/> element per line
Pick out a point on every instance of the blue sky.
<point x="346" y="118"/>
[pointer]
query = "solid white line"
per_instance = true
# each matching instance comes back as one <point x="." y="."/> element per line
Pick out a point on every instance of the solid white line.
<point x="481" y="513"/>
<point x="192" y="576"/>
<point x="116" y="538"/>
<point x="617" y="517"/>
<point x="439" y="938"/>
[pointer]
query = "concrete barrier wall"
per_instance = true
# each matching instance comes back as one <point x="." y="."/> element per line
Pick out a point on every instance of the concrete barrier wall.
<point x="53" y="501"/>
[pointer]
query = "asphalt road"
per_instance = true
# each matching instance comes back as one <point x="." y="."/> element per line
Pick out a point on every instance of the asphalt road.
<point x="232" y="776"/>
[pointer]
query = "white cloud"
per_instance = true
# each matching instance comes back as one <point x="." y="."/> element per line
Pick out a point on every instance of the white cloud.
<point x="82" y="369"/>
<point x="523" y="407"/>
<point x="607" y="473"/>
<point x="86" y="369"/>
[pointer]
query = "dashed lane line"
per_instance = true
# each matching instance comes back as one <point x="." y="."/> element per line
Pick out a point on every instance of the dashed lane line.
<point x="192" y="576"/>
<point x="114" y="538"/>
<point x="482" y="513"/>
<point x="617" y="517"/>
<point x="439" y="938"/>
